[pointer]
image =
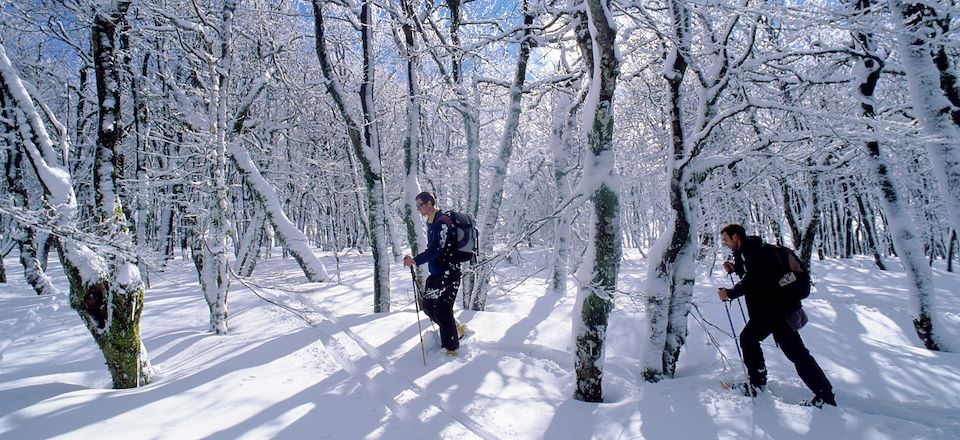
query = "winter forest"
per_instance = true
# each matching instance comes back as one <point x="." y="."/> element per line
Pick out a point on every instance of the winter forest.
<point x="226" y="134"/>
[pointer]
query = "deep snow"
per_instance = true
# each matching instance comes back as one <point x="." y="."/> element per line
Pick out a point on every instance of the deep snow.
<point x="324" y="366"/>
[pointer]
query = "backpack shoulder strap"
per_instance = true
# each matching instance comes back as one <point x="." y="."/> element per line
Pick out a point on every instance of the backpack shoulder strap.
<point x="782" y="255"/>
<point x="793" y="261"/>
<point x="445" y="217"/>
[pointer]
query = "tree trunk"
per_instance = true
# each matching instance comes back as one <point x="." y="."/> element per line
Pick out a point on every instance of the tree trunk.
<point x="561" y="145"/>
<point x="672" y="253"/>
<point x="366" y="146"/>
<point x="370" y="159"/>
<point x="601" y="264"/>
<point x="416" y="236"/>
<point x="796" y="237"/>
<point x="921" y="41"/>
<point x="470" y="114"/>
<point x="33" y="271"/>
<point x="107" y="295"/>
<point x="214" y="273"/>
<point x="951" y="253"/>
<point x="812" y="225"/>
<point x="121" y="343"/>
<point x="248" y="253"/>
<point x="900" y="222"/>
<point x="488" y="228"/>
<point x="869" y="231"/>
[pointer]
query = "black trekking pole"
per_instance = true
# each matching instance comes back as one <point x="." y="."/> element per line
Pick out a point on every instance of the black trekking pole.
<point x="742" y="314"/>
<point x="733" y="331"/>
<point x="736" y="342"/>
<point x="416" y="306"/>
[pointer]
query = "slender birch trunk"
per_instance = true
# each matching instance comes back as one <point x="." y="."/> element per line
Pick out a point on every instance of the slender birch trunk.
<point x="869" y="226"/>
<point x="215" y="272"/>
<point x="248" y="254"/>
<point x="416" y="235"/>
<point x="365" y="143"/>
<point x="488" y="228"/>
<point x="561" y="145"/>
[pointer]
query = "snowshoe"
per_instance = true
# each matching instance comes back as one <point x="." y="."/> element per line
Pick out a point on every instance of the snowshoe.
<point x="819" y="401"/>
<point x="744" y="388"/>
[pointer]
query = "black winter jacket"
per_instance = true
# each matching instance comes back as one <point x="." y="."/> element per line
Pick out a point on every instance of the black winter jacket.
<point x="759" y="270"/>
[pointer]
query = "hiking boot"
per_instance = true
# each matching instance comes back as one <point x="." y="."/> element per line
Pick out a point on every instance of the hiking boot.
<point x="450" y="352"/>
<point x="818" y="401"/>
<point x="461" y="330"/>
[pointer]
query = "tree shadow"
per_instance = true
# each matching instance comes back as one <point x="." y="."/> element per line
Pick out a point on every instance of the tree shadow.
<point x="106" y="404"/>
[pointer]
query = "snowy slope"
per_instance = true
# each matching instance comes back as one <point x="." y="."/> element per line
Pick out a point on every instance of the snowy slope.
<point x="307" y="360"/>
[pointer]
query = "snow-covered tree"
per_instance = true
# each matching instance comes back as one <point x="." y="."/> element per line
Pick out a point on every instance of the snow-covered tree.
<point x="491" y="213"/>
<point x="922" y="30"/>
<point x="413" y="140"/>
<point x="867" y="72"/>
<point x="364" y="140"/>
<point x="105" y="292"/>
<point x="716" y="59"/>
<point x="597" y="276"/>
<point x="22" y="236"/>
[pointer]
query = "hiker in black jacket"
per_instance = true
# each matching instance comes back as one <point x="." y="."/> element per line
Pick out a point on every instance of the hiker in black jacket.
<point x="771" y="312"/>
<point x="444" y="280"/>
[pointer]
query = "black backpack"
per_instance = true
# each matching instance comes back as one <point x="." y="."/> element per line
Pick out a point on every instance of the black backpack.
<point x="465" y="249"/>
<point x="792" y="276"/>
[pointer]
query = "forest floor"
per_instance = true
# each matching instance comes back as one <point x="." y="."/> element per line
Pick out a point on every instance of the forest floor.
<point x="311" y="360"/>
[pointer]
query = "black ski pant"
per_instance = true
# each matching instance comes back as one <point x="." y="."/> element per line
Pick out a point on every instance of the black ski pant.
<point x="437" y="303"/>
<point x="757" y="330"/>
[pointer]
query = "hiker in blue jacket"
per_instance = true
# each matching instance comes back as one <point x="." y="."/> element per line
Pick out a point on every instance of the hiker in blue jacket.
<point x="771" y="312"/>
<point x="444" y="280"/>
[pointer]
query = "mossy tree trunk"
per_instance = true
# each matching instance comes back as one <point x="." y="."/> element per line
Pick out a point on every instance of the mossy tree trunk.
<point x="111" y="303"/>
<point x="599" y="270"/>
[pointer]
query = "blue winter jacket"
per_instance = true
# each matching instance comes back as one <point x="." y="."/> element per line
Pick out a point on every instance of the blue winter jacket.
<point x="441" y="237"/>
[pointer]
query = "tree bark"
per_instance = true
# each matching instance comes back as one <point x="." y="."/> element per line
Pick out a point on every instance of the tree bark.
<point x="672" y="253"/>
<point x="598" y="273"/>
<point x="416" y="236"/>
<point x="561" y="145"/>
<point x="902" y="230"/>
<point x="366" y="146"/>
<point x="920" y="39"/>
<point x="107" y="294"/>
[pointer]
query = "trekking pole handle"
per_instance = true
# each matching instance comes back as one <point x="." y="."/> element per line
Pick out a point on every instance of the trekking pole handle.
<point x="416" y="286"/>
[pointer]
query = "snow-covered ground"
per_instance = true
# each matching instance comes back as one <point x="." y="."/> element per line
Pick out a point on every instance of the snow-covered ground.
<point x="321" y="365"/>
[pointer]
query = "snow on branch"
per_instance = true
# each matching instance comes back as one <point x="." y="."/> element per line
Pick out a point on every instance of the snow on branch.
<point x="37" y="143"/>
